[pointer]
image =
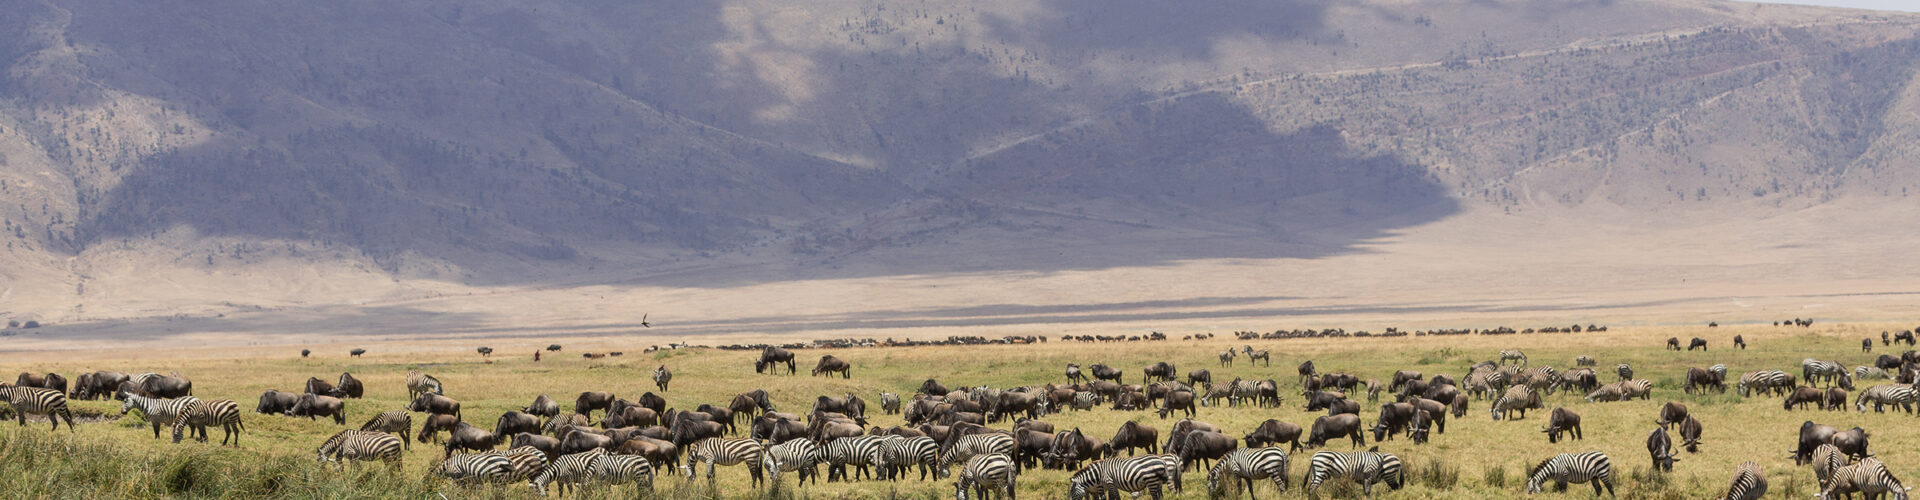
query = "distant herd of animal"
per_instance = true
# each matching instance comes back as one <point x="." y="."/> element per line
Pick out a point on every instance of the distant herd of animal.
<point x="948" y="428"/>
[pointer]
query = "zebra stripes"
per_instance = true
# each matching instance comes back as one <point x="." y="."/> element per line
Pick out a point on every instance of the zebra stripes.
<point x="795" y="455"/>
<point x="1243" y="466"/>
<point x="1864" y="372"/>
<point x="482" y="468"/>
<point x="1513" y="354"/>
<point x="361" y="445"/>
<point x="619" y="469"/>
<point x="1869" y="477"/>
<point x="527" y="461"/>
<point x="1583" y="467"/>
<point x="157" y="411"/>
<point x="1749" y="482"/>
<point x="855" y="451"/>
<point x="1899" y="396"/>
<point x="1113" y="475"/>
<point x="38" y="401"/>
<point x="568" y="470"/>
<point x="722" y="451"/>
<point x="1484" y="382"/>
<point x="200" y="414"/>
<point x="396" y="422"/>
<point x="1827" y="460"/>
<point x="1363" y="467"/>
<point x="977" y="444"/>
<point x="1813" y="370"/>
<point x="992" y="472"/>
<point x="421" y="383"/>
<point x="1515" y="399"/>
<point x="896" y="456"/>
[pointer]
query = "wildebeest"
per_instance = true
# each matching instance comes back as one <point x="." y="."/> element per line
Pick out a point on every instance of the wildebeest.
<point x="1866" y="345"/>
<point x="1074" y="375"/>
<point x="98" y="385"/>
<point x="513" y="422"/>
<point x="485" y="351"/>
<point x="1177" y="401"/>
<point x="1394" y="418"/>
<point x="553" y="347"/>
<point x="850" y="405"/>
<point x="1697" y="342"/>
<point x="319" y="387"/>
<point x="542" y="406"/>
<point x="435" y="404"/>
<point x="1103" y="372"/>
<point x="1335" y="426"/>
<point x="1273" y="432"/>
<point x="1812" y="435"/>
<point x="1660" y="448"/>
<point x="1401" y="377"/>
<point x="1307" y="371"/>
<point x="1671" y="413"/>
<point x="349" y="387"/>
<point x="1673" y="343"/>
<point x="589" y="401"/>
<point x="1562" y="420"/>
<point x="1200" y="377"/>
<point x="1852" y="442"/>
<point x="1802" y="396"/>
<point x="1205" y="447"/>
<point x="1159" y="371"/>
<point x="465" y="436"/>
<point x="579" y="440"/>
<point x="305" y="352"/>
<point x="431" y="427"/>
<point x="772" y="355"/>
<point x="829" y="365"/>
<point x="1740" y="342"/>
<point x="1690" y="434"/>
<point x="1070" y="448"/>
<point x="1133" y="435"/>
<point x="356" y="352"/>
<point x="1700" y="379"/>
<point x="1836" y="399"/>
<point x="276" y="402"/>
<point x="162" y="386"/>
<point x="313" y="405"/>
<point x="547" y="445"/>
<point x="1419" y="430"/>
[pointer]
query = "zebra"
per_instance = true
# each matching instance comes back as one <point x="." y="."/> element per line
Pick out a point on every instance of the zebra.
<point x="1244" y="465"/>
<point x="1583" y="467"/>
<point x="200" y="414"/>
<point x="1226" y="357"/>
<point x="969" y="445"/>
<point x="1516" y="398"/>
<point x="890" y="403"/>
<point x="1780" y="382"/>
<point x="157" y="411"/>
<point x="1719" y="372"/>
<point x="795" y="455"/>
<point x="722" y="451"/>
<point x="856" y="451"/>
<point x="1624" y="370"/>
<point x="1868" y="372"/>
<point x="421" y="383"/>
<point x="361" y="445"/>
<point x="1900" y="396"/>
<point x="1813" y="370"/>
<point x="1083" y="401"/>
<point x="1638" y="387"/>
<point x="987" y="473"/>
<point x="1114" y="475"/>
<point x="396" y="422"/>
<point x="40" y="401"/>
<point x="895" y="456"/>
<point x="617" y="469"/>
<point x="1752" y="381"/>
<point x="1826" y="460"/>
<point x="527" y="461"/>
<point x="1514" y="354"/>
<point x="1749" y="482"/>
<point x="1485" y="382"/>
<point x="1364" y="467"/>
<point x="575" y="469"/>
<point x="662" y="376"/>
<point x="1869" y="477"/>
<point x="481" y="468"/>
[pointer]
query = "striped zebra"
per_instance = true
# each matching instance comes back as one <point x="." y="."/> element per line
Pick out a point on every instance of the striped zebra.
<point x="421" y="383"/>
<point x="992" y="472"/>
<point x="1540" y="378"/>
<point x="200" y="414"/>
<point x="568" y="470"/>
<point x="896" y="456"/>
<point x="481" y="468"/>
<point x="38" y="401"/>
<point x="1780" y="382"/>
<point x="1641" y="388"/>
<point x="1826" y="460"/>
<point x="1173" y="464"/>
<point x="360" y="445"/>
<point x="722" y="451"/>
<point x="1864" y="372"/>
<point x="1757" y="380"/>
<point x="1243" y="466"/>
<point x="1625" y="371"/>
<point x="1363" y="467"/>
<point x="1516" y="398"/>
<point x="856" y="451"/>
<point x="1899" y="396"/>
<point x="1483" y="383"/>
<point x="1814" y="370"/>
<point x="1749" y="482"/>
<point x="396" y="422"/>
<point x="795" y="455"/>
<point x="1719" y="372"/>
<point x="1586" y="466"/>
<point x="1083" y="401"/>
<point x="615" y="470"/>
<point x="1111" y="476"/>
<point x="1870" y="477"/>
<point x="967" y="446"/>
<point x="1513" y="354"/>
<point x="527" y="461"/>
<point x="157" y="411"/>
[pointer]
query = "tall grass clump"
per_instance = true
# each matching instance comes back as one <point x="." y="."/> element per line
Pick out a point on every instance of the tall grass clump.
<point x="1437" y="474"/>
<point x="1494" y="476"/>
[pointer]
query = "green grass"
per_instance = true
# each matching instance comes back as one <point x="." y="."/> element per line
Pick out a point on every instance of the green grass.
<point x="1476" y="458"/>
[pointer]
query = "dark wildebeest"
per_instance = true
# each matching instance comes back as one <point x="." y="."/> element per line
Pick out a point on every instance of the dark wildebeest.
<point x="589" y="401"/>
<point x="1135" y="435"/>
<point x="1673" y="343"/>
<point x="553" y="348"/>
<point x="543" y="406"/>
<point x="1176" y="437"/>
<point x="513" y="422"/>
<point x="356" y="352"/>
<point x="314" y="405"/>
<point x="166" y="386"/>
<point x="1887" y="363"/>
<point x="1335" y="426"/>
<point x="1460" y="407"/>
<point x="435" y="404"/>
<point x="654" y="450"/>
<point x="1032" y="444"/>
<point x="468" y="437"/>
<point x="1400" y="378"/>
<point x="1411" y="389"/>
<point x="1802" y="396"/>
<point x="305" y="352"/>
<point x="1205" y="447"/>
<point x="772" y="355"/>
<point x="1011" y="403"/>
<point x="1671" y="413"/>
<point x="1866" y="345"/>
<point x="1103" y="372"/>
<point x="1836" y="399"/>
<point x="1700" y="379"/>
<point x="579" y="440"/>
<point x="1273" y="432"/>
<point x="349" y="387"/>
<point x="319" y="387"/>
<point x="1074" y="374"/>
<point x="1562" y="420"/>
<point x="1200" y="377"/>
<point x="687" y="432"/>
<point x="559" y="425"/>
<point x="1177" y="401"/>
<point x="851" y="405"/>
<point x="1343" y="381"/>
<point x="276" y="402"/>
<point x="745" y="403"/>
<point x="1660" y="448"/>
<point x="933" y="388"/>
<point x="653" y="402"/>
<point x="1697" y="342"/>
<point x="1069" y="449"/>
<point x="1306" y="371"/>
<point x="99" y="385"/>
<point x="1852" y="442"/>
<point x="1320" y="400"/>
<point x="1159" y="371"/>
<point x="1344" y="407"/>
<point x="1812" y="435"/>
<point x="1394" y="418"/>
<point x="1435" y="410"/>
<point x="485" y="351"/>
<point x="829" y="365"/>
<point x="1419" y="429"/>
<point x="1740" y="342"/>
<point x="430" y="427"/>
<point x="547" y="445"/>
<point x="776" y="429"/>
<point x="1690" y="434"/>
<point x="722" y="415"/>
<point x="1027" y="423"/>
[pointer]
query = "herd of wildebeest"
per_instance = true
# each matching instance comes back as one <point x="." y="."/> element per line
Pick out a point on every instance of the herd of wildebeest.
<point x="992" y="434"/>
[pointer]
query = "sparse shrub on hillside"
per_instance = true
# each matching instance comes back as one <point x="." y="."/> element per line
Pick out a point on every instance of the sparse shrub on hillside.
<point x="1437" y="474"/>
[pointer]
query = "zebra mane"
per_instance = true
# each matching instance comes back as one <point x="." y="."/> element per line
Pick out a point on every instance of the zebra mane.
<point x="1543" y="464"/>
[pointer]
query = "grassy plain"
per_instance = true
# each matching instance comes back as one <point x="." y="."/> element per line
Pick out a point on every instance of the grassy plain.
<point x="1475" y="458"/>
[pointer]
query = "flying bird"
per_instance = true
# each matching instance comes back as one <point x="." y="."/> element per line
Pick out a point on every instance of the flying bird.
<point x="643" y="321"/>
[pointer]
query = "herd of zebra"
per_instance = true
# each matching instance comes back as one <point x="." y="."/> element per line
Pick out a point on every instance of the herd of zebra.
<point x="948" y="428"/>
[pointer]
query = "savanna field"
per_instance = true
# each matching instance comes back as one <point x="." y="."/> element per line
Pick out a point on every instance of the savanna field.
<point x="117" y="457"/>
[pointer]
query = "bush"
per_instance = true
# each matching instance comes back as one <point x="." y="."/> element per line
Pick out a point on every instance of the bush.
<point x="1494" y="476"/>
<point x="1437" y="474"/>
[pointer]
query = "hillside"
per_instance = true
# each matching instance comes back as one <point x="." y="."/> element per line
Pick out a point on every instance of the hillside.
<point x="181" y="157"/>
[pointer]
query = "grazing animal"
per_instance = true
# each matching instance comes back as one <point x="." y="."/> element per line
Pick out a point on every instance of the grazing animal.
<point x="513" y="422"/>
<point x="830" y="365"/>
<point x="589" y="401"/>
<point x="313" y="407"/>
<point x="1671" y="413"/>
<point x="1517" y="398"/>
<point x="421" y="383"/>
<point x="795" y="455"/>
<point x="1132" y="435"/>
<point x="1334" y="426"/>
<point x="1803" y="396"/>
<point x="1852" y="442"/>
<point x="1749" y="482"/>
<point x="542" y="406"/>
<point x="356" y="352"/>
<point x="485" y="351"/>
<point x="1624" y="370"/>
<point x="363" y="446"/>
<point x="857" y="451"/>
<point x="276" y="402"/>
<point x="1114" y="475"/>
<point x="1866" y="345"/>
<point x="319" y="387"/>
<point x="198" y="415"/>
<point x="1697" y="342"/>
<point x="305" y="352"/>
<point x="771" y="356"/>
<point x="721" y="451"/>
<point x="959" y="448"/>
<point x="349" y="387"/>
<point x="1204" y="447"/>
<point x="157" y="411"/>
<point x="1661" y="448"/>
<point x="993" y="472"/>
<point x="1701" y="380"/>
<point x="435" y="404"/>
<point x="1812" y="435"/>
<point x="481" y="468"/>
<point x="1739" y="341"/>
<point x="397" y="422"/>
<point x="43" y="401"/>
<point x="1826" y="460"/>
<point x="1159" y="371"/>
<point x="1584" y="360"/>
<point x="1246" y="465"/>
<point x="662" y="376"/>
<point x="1074" y="375"/>
<point x="1562" y="420"/>
<point x="1513" y="354"/>
<point x="1366" y="468"/>
<point x="1273" y="432"/>
<point x="569" y="470"/>
<point x="1584" y="467"/>
<point x="1870" y="477"/>
<point x="1690" y="434"/>
<point x="1814" y="370"/>
<point x="1265" y="358"/>
<point x="1307" y="371"/>
<point x="896" y="456"/>
<point x="1902" y="397"/>
<point x="889" y="403"/>
<point x="1226" y="357"/>
<point x="618" y="469"/>
<point x="1673" y="343"/>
